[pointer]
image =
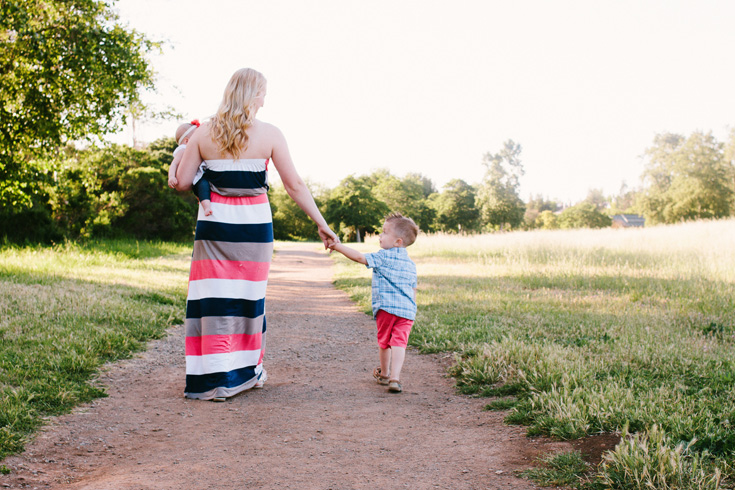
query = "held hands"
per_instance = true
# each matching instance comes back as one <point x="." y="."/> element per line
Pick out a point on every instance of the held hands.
<point x="332" y="244"/>
<point x="329" y="238"/>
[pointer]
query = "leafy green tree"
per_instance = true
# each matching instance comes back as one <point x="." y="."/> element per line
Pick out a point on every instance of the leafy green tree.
<point x="68" y="70"/>
<point x="406" y="196"/>
<point x="290" y="222"/>
<point x="534" y="207"/>
<point x="687" y="179"/>
<point x="455" y="207"/>
<point x="497" y="197"/>
<point x="547" y="220"/>
<point x="353" y="210"/>
<point x="126" y="193"/>
<point x="583" y="215"/>
<point x="426" y="183"/>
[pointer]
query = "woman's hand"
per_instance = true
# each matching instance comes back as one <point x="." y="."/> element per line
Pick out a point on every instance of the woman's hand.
<point x="328" y="236"/>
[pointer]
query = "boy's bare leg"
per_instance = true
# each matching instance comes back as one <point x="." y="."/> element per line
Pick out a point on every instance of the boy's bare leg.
<point x="385" y="361"/>
<point x="397" y="356"/>
<point x="207" y="207"/>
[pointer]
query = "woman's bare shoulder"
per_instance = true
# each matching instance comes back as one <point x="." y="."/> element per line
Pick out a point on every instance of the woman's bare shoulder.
<point x="266" y="129"/>
<point x="207" y="147"/>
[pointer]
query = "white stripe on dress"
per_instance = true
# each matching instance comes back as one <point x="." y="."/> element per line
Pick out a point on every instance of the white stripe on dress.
<point x="246" y="165"/>
<point x="237" y="214"/>
<point x="227" y="288"/>
<point x="221" y="363"/>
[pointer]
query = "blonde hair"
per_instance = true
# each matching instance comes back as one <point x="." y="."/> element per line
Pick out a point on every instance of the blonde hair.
<point x="404" y="227"/>
<point x="235" y="115"/>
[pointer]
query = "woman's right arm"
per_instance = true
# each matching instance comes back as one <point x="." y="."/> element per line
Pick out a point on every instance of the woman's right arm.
<point x="295" y="186"/>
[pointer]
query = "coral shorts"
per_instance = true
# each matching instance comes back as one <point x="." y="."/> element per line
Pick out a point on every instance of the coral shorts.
<point x="393" y="330"/>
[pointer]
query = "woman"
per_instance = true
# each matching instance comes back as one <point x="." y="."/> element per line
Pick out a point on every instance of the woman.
<point x="225" y="309"/>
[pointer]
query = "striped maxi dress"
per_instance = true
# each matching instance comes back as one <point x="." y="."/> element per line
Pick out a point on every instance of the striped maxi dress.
<point x="225" y="308"/>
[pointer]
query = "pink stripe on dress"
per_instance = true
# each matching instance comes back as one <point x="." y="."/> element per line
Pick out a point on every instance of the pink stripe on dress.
<point x="229" y="269"/>
<point x="222" y="344"/>
<point x="240" y="201"/>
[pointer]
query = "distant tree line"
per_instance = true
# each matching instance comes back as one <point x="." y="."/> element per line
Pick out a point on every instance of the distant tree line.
<point x="70" y="72"/>
<point x="117" y="191"/>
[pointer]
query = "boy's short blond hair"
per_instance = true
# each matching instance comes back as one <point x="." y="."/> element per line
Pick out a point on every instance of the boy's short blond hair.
<point x="404" y="227"/>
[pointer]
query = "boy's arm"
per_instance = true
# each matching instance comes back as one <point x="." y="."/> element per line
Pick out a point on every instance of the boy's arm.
<point x="350" y="253"/>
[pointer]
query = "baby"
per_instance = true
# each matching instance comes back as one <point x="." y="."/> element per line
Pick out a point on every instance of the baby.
<point x="200" y="185"/>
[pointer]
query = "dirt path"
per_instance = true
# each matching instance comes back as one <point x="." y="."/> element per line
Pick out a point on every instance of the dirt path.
<point x="321" y="422"/>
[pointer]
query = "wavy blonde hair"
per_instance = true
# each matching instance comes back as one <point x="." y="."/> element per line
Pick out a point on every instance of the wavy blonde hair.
<point x="236" y="112"/>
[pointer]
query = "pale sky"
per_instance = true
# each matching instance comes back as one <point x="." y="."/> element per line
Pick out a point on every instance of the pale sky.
<point x="430" y="86"/>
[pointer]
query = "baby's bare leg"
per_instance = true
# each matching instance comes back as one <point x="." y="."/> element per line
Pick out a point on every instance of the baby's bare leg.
<point x="207" y="207"/>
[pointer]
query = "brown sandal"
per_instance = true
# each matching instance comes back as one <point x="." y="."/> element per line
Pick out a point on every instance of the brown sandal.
<point x="395" y="386"/>
<point x="378" y="375"/>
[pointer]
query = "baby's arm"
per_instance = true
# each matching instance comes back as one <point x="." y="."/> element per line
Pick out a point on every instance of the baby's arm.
<point x="172" y="170"/>
<point x="350" y="253"/>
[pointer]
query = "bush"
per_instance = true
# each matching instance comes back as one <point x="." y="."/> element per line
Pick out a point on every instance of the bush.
<point x="113" y="191"/>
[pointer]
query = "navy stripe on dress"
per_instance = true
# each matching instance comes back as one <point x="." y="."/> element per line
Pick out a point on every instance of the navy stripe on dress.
<point x="227" y="232"/>
<point x="237" y="178"/>
<point x="200" y="383"/>
<point x="199" y="308"/>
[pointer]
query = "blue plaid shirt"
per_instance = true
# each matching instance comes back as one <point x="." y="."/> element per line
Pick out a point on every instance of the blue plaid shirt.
<point x="394" y="280"/>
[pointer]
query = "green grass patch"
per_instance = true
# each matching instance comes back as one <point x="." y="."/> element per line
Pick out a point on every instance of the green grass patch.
<point x="564" y="469"/>
<point x="501" y="404"/>
<point x="66" y="310"/>
<point x="590" y="331"/>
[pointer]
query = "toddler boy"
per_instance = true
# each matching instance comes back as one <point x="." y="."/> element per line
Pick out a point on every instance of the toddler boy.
<point x="393" y="294"/>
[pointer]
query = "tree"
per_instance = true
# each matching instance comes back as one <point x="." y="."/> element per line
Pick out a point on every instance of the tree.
<point x="498" y="200"/>
<point x="352" y="210"/>
<point x="290" y="222"/>
<point x="455" y="207"/>
<point x="406" y="196"/>
<point x="687" y="179"/>
<point x="583" y="215"/>
<point x="534" y="207"/>
<point x="121" y="191"/>
<point x="547" y="220"/>
<point x="68" y="70"/>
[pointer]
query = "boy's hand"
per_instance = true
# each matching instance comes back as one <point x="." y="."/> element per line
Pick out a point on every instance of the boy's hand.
<point x="172" y="182"/>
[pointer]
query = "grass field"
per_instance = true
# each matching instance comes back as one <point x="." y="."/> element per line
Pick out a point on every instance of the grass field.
<point x="66" y="310"/>
<point x="583" y="332"/>
<point x="572" y="332"/>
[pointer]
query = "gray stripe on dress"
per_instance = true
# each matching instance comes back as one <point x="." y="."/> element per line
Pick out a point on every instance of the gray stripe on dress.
<point x="238" y="192"/>
<point x="250" y="252"/>
<point x="223" y="325"/>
